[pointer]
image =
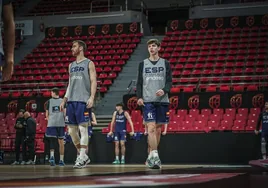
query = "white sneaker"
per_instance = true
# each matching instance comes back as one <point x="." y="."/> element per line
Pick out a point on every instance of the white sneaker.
<point x="30" y="162"/>
<point x="16" y="163"/>
<point x="22" y="162"/>
<point x="81" y="163"/>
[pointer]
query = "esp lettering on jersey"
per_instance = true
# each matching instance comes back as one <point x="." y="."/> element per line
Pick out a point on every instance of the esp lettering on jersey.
<point x="77" y="69"/>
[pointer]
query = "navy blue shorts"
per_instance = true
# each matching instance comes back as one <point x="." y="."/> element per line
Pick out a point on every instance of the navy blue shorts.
<point x="156" y="112"/>
<point x="77" y="113"/>
<point x="90" y="131"/>
<point x="120" y="136"/>
<point x="55" y="132"/>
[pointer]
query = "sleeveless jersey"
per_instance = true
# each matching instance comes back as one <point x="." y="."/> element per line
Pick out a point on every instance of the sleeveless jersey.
<point x="1" y="42"/>
<point x="154" y="78"/>
<point x="265" y="122"/>
<point x="56" y="117"/>
<point x="79" y="82"/>
<point x="120" y="122"/>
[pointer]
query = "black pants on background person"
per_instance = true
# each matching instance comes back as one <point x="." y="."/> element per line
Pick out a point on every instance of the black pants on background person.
<point x="30" y="143"/>
<point x="19" y="141"/>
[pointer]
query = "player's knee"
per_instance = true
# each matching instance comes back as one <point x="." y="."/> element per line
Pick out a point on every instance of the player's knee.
<point x="61" y="142"/>
<point x="151" y="128"/>
<point x="116" y="144"/>
<point x="84" y="135"/>
<point x="158" y="130"/>
<point x="73" y="131"/>
<point x="122" y="144"/>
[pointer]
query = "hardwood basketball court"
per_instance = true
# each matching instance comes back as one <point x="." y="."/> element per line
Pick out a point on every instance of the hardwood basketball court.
<point x="121" y="175"/>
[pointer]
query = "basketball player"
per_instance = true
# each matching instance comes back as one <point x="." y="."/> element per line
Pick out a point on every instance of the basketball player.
<point x="6" y="15"/>
<point x="120" y="118"/>
<point x="153" y="85"/>
<point x="263" y="119"/>
<point x="80" y="96"/>
<point x="55" y="126"/>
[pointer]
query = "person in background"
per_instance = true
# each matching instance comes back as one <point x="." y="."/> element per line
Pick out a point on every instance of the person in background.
<point x="30" y="131"/>
<point x="55" y="126"/>
<point x="263" y="119"/>
<point x="120" y="118"/>
<point x="20" y="136"/>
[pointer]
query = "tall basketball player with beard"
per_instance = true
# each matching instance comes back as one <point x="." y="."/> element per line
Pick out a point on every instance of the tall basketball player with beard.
<point x="80" y="96"/>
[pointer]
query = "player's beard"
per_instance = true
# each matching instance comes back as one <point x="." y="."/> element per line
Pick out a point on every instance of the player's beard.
<point x="75" y="53"/>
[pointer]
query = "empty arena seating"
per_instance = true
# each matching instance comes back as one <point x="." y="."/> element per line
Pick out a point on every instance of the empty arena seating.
<point x="46" y="7"/>
<point x="221" y="59"/>
<point x="204" y="120"/>
<point x="17" y="4"/>
<point x="47" y="66"/>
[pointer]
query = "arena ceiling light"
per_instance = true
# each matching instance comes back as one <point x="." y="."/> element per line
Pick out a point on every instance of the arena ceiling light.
<point x="96" y="16"/>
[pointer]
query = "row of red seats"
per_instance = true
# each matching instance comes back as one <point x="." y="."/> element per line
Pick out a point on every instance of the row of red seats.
<point x="258" y="57"/>
<point x="217" y="71"/>
<point x="224" y="39"/>
<point x="204" y="120"/>
<point x="197" y="51"/>
<point x="218" y="30"/>
<point x="7" y="143"/>
<point x="198" y="126"/>
<point x="47" y="47"/>
<point x="89" y="39"/>
<point x="213" y="88"/>
<point x="93" y="58"/>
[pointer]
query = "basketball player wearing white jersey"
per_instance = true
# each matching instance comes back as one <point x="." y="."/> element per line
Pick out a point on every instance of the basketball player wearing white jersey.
<point x="80" y="96"/>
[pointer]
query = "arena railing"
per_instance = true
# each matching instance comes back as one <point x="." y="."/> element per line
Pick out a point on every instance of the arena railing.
<point x="113" y="8"/>
<point x="218" y="2"/>
<point x="221" y="81"/>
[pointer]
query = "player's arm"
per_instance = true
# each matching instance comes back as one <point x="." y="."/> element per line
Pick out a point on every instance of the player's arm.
<point x="165" y="129"/>
<point x="9" y="32"/>
<point x="47" y="112"/>
<point x="130" y="122"/>
<point x="65" y="98"/>
<point x="168" y="84"/>
<point x="93" y="80"/>
<point x="18" y="125"/>
<point x="94" y="120"/>
<point x="67" y="94"/>
<point x="112" y="122"/>
<point x="259" y="122"/>
<point x="64" y="111"/>
<point x="139" y="84"/>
